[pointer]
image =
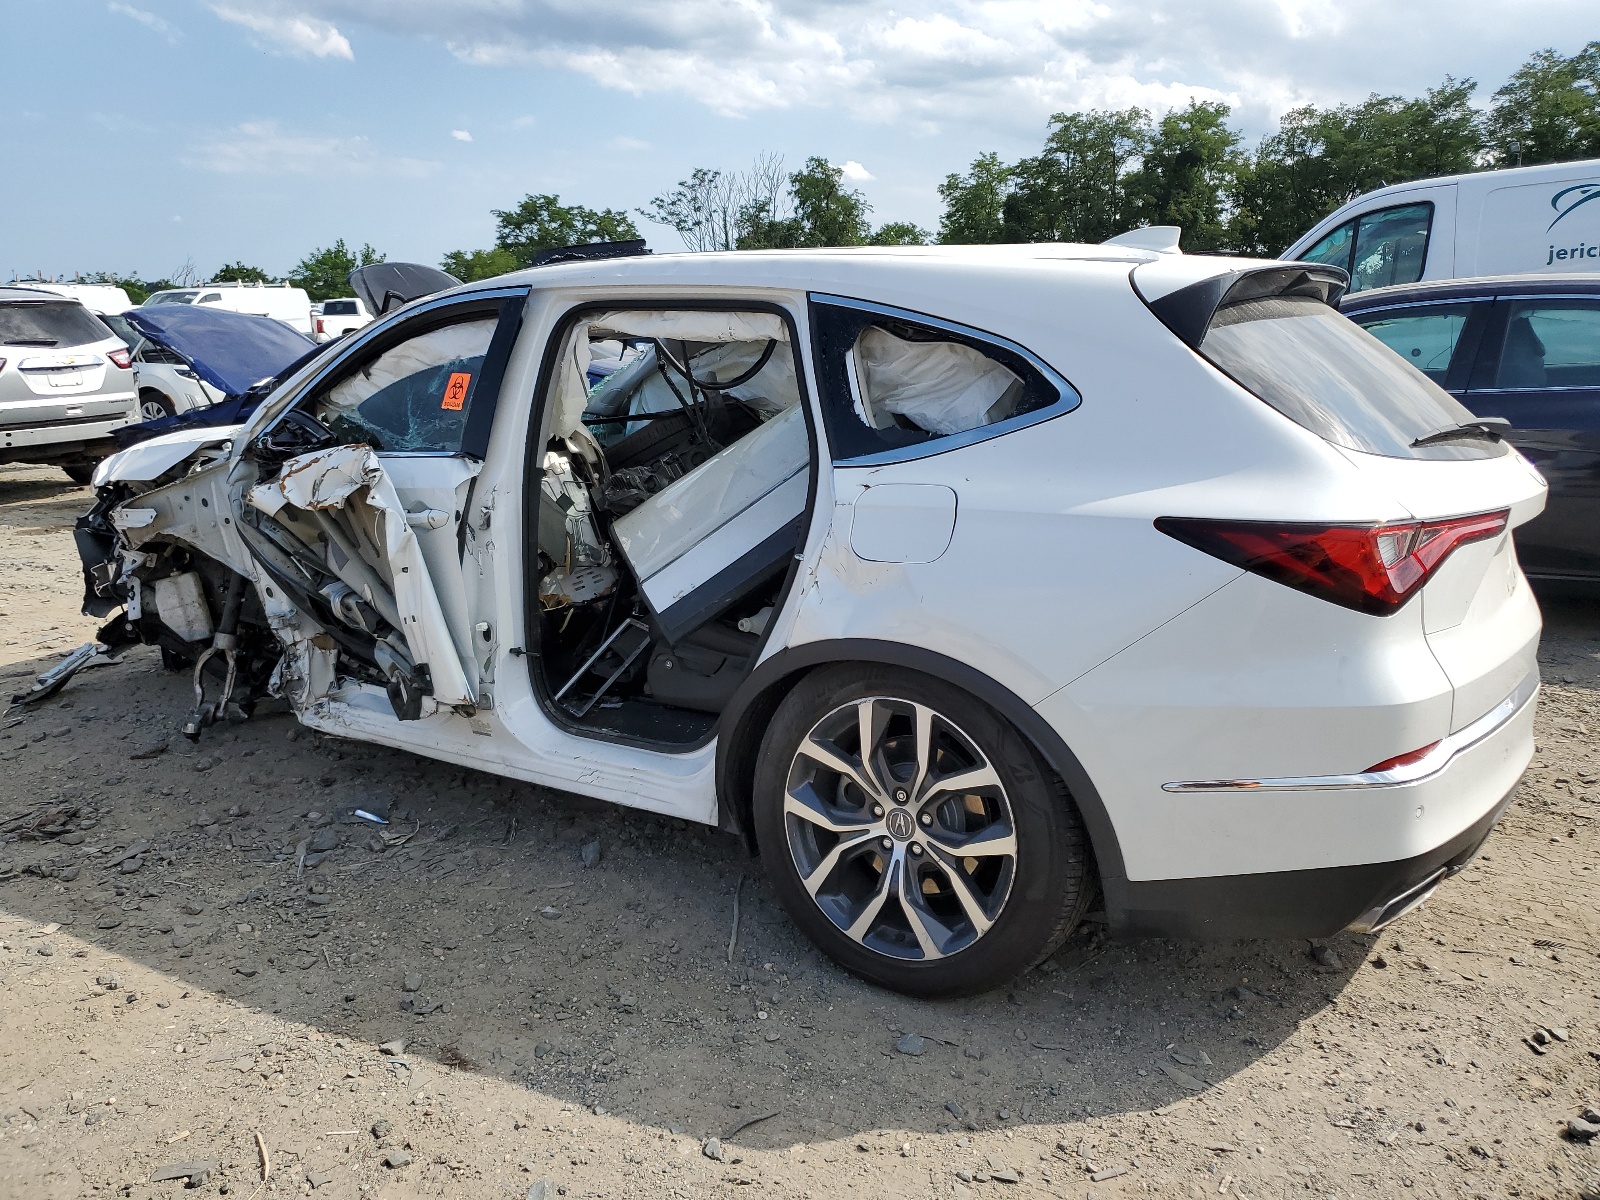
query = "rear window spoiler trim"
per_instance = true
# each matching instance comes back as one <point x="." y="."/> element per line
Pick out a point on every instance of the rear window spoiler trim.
<point x="1189" y="311"/>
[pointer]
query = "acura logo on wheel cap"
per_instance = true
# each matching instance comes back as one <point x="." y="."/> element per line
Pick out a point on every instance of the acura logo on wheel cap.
<point x="899" y="824"/>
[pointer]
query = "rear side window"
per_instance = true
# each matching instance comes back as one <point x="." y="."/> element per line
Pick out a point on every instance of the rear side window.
<point x="49" y="323"/>
<point x="1425" y="337"/>
<point x="1324" y="372"/>
<point x="1551" y="344"/>
<point x="1378" y="248"/>
<point x="896" y="384"/>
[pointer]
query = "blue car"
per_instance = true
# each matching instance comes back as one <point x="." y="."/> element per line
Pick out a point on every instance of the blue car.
<point x="1525" y="349"/>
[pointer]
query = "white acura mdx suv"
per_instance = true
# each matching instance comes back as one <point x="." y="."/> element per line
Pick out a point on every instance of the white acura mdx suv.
<point x="963" y="582"/>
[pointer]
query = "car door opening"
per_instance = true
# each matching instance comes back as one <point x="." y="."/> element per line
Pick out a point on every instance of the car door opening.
<point x="671" y="502"/>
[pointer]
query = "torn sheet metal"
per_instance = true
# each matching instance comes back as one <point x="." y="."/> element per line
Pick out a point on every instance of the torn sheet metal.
<point x="90" y="654"/>
<point x="352" y="478"/>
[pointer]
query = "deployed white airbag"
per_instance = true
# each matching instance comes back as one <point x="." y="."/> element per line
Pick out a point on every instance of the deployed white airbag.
<point x="452" y="343"/>
<point x="352" y="478"/>
<point x="572" y="393"/>
<point x="942" y="387"/>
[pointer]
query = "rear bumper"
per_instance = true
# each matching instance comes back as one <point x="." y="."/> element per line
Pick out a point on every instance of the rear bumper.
<point x="64" y="439"/>
<point x="1292" y="904"/>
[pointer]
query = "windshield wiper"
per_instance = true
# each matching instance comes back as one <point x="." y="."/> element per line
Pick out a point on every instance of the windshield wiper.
<point x="1492" y="428"/>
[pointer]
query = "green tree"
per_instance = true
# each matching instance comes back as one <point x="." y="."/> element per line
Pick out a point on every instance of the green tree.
<point x="239" y="272"/>
<point x="1548" y="111"/>
<point x="325" y="273"/>
<point x="469" y="266"/>
<point x="973" y="202"/>
<point x="1322" y="158"/>
<point x="899" y="233"/>
<point x="825" y="213"/>
<point x="542" y="222"/>
<point x="1186" y="174"/>
<point x="1077" y="190"/>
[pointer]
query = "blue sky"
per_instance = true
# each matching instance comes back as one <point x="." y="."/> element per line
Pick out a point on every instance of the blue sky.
<point x="143" y="133"/>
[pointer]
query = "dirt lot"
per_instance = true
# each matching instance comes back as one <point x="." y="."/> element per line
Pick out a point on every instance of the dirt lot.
<point x="574" y="1025"/>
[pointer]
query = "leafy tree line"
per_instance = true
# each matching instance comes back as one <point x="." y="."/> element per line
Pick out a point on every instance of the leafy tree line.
<point x="1099" y="173"/>
<point x="1102" y="172"/>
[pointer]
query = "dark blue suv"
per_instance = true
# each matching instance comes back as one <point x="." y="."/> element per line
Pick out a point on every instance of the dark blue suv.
<point x="1525" y="348"/>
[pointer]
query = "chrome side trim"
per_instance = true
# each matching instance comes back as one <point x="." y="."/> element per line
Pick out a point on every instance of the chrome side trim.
<point x="1431" y="763"/>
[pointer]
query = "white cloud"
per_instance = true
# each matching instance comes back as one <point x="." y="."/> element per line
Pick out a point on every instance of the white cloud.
<point x="527" y="121"/>
<point x="854" y="172"/>
<point x="148" y="19"/>
<point x="461" y="135"/>
<point x="298" y="33"/>
<point x="629" y="143"/>
<point x="262" y="148"/>
<point x="988" y="63"/>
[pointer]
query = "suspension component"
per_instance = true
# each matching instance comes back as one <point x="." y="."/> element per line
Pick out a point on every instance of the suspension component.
<point x="226" y="643"/>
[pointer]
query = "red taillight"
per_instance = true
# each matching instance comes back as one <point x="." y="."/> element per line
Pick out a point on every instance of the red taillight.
<point x="123" y="358"/>
<point x="319" y="325"/>
<point x="1371" y="568"/>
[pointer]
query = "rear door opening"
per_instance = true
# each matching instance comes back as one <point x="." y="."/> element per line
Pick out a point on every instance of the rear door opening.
<point x="675" y="470"/>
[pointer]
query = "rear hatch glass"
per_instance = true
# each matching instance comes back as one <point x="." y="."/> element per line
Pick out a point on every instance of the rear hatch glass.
<point x="1324" y="372"/>
<point x="49" y="323"/>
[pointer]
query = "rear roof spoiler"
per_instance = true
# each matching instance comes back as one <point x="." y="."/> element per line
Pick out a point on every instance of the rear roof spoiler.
<point x="1188" y="312"/>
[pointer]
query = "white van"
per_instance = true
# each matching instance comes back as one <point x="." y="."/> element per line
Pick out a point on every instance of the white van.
<point x="102" y="299"/>
<point x="288" y="304"/>
<point x="1526" y="219"/>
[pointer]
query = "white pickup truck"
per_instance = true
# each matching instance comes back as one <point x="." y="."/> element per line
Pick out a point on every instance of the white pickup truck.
<point x="337" y="318"/>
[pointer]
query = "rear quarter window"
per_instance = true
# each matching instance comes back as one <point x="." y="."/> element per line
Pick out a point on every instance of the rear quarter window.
<point x="50" y="323"/>
<point x="1324" y="372"/>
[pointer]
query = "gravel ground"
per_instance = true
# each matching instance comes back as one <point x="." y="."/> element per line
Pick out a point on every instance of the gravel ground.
<point x="528" y="994"/>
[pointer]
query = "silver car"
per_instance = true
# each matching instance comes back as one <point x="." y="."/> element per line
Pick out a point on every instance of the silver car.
<point x="66" y="381"/>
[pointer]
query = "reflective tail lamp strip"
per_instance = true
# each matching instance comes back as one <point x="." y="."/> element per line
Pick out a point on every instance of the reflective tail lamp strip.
<point x="1412" y="770"/>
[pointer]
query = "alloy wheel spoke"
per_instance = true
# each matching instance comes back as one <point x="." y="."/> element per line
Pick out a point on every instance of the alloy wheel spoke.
<point x="967" y="898"/>
<point x="924" y="743"/>
<point x="808" y="807"/>
<point x="983" y="776"/>
<point x="871" y="720"/>
<point x="911" y="905"/>
<point x="875" y="902"/>
<point x="820" y="873"/>
<point x="997" y="840"/>
<point x="829" y="757"/>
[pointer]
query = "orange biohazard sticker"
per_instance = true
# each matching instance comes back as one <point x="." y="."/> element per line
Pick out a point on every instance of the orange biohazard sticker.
<point x="455" y="392"/>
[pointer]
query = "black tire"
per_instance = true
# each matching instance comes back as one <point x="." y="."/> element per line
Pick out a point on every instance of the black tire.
<point x="153" y="405"/>
<point x="1051" y="877"/>
<point x="80" y="473"/>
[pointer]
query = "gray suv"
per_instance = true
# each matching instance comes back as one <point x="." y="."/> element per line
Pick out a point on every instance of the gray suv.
<point x="66" y="381"/>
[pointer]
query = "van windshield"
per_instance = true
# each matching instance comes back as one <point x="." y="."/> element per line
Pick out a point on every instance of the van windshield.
<point x="172" y="298"/>
<point x="1324" y="372"/>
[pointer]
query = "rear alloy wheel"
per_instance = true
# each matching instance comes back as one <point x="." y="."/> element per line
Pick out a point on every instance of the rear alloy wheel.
<point x="154" y="405"/>
<point x="914" y="835"/>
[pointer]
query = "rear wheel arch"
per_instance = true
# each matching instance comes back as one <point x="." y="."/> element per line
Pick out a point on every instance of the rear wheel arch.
<point x="744" y="723"/>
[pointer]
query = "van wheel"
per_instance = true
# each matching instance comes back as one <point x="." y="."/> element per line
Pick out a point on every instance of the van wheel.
<point x="154" y="405"/>
<point x="914" y="835"/>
